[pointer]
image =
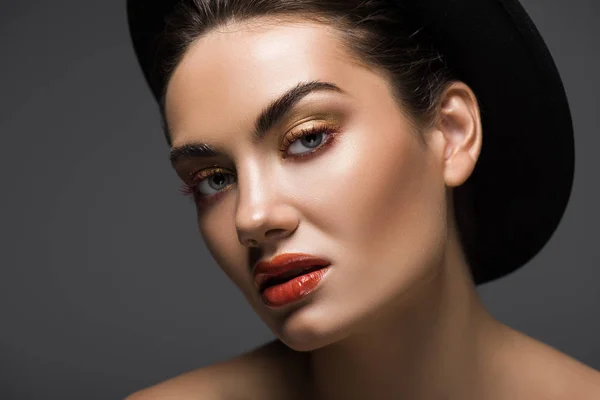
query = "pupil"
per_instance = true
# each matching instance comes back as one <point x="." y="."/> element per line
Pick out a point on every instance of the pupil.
<point x="218" y="181"/>
<point x="311" y="140"/>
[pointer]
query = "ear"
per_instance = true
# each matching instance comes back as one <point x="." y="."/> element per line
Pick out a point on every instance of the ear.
<point x="458" y="127"/>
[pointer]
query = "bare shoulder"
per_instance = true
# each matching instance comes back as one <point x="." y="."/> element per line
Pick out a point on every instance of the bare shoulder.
<point x="267" y="372"/>
<point x="573" y="379"/>
<point x="553" y="374"/>
<point x="579" y="381"/>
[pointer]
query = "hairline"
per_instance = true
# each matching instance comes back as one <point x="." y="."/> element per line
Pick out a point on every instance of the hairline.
<point x="273" y="19"/>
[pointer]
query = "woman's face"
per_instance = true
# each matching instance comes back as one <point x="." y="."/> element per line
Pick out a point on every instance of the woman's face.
<point x="372" y="201"/>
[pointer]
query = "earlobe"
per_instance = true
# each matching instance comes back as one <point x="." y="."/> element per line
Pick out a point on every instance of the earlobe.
<point x="460" y="124"/>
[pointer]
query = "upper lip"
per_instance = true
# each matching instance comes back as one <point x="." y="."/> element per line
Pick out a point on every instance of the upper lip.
<point x="285" y="265"/>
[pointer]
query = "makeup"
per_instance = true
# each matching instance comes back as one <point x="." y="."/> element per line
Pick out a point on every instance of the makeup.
<point x="197" y="177"/>
<point x="293" y="290"/>
<point x="288" y="277"/>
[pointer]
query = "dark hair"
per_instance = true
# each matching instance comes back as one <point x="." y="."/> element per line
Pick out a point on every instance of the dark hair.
<point x="375" y="32"/>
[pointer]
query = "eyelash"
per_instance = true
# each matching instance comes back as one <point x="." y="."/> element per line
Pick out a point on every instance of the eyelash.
<point x="203" y="200"/>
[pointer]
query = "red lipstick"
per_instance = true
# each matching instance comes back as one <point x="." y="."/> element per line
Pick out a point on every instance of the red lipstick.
<point x="289" y="277"/>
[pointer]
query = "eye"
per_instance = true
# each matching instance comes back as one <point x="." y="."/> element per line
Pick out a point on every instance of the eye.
<point x="211" y="184"/>
<point x="309" y="141"/>
<point x="200" y="189"/>
<point x="216" y="181"/>
<point x="312" y="139"/>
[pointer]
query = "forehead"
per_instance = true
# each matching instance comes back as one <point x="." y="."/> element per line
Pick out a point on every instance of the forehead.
<point x="228" y="75"/>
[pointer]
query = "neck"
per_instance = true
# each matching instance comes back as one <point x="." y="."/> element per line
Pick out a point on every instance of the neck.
<point x="434" y="342"/>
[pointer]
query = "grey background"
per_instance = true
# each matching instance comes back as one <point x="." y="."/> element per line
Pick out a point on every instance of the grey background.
<point x="105" y="284"/>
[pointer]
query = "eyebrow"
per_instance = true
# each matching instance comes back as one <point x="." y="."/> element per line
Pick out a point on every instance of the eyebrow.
<point x="270" y="116"/>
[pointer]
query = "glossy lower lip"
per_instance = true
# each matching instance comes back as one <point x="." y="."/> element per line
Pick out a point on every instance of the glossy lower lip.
<point x="294" y="289"/>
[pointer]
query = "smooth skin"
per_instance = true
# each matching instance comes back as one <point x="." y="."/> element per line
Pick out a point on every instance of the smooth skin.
<point x="397" y="316"/>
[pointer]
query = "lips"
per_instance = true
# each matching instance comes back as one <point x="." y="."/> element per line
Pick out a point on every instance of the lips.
<point x="285" y="267"/>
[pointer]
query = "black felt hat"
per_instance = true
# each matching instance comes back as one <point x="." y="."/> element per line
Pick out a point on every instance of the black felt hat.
<point x="520" y="187"/>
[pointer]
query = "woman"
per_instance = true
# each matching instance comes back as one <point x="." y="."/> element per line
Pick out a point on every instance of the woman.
<point x="335" y="152"/>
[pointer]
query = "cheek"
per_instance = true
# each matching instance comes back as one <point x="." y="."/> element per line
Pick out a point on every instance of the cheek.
<point x="217" y="229"/>
<point x="387" y="197"/>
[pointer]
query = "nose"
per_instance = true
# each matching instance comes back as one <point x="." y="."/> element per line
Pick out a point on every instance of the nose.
<point x="263" y="216"/>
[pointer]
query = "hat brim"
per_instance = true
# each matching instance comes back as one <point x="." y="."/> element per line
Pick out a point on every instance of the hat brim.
<point x="521" y="185"/>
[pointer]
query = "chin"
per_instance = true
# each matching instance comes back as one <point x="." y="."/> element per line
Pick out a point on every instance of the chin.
<point x="309" y="328"/>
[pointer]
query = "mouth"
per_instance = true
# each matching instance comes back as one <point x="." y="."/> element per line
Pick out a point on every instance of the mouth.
<point x="266" y="281"/>
<point x="289" y="277"/>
